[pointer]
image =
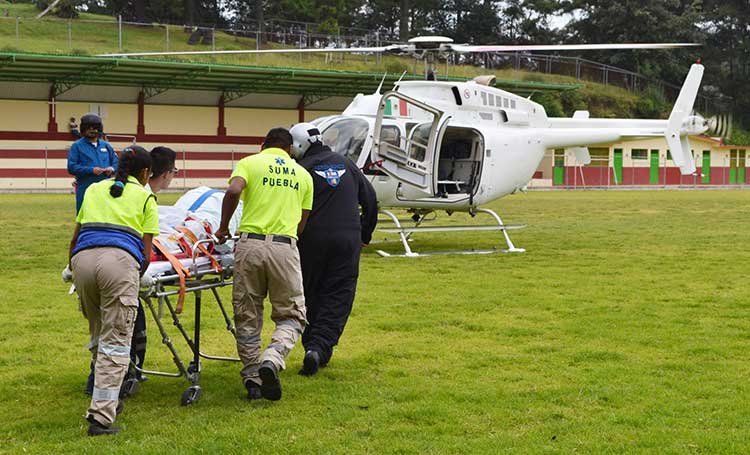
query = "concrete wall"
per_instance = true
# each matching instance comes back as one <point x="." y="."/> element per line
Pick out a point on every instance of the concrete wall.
<point x="257" y="122"/>
<point x="639" y="171"/>
<point x="32" y="158"/>
<point x="19" y="115"/>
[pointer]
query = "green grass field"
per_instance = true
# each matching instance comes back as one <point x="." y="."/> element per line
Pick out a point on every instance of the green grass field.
<point x="623" y="329"/>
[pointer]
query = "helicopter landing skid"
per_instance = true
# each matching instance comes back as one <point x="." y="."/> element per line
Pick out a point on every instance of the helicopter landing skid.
<point x="405" y="234"/>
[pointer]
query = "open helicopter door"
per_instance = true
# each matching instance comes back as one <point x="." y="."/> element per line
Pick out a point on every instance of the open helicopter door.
<point x="412" y="159"/>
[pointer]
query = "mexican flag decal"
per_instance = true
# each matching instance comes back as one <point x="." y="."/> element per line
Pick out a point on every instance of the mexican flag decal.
<point x="396" y="107"/>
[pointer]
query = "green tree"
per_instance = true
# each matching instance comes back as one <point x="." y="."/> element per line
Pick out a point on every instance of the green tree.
<point x="727" y="54"/>
<point x="638" y="21"/>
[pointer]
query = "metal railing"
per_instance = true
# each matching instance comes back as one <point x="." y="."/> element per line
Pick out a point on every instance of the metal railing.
<point x="18" y="33"/>
<point x="44" y="168"/>
<point x="601" y="173"/>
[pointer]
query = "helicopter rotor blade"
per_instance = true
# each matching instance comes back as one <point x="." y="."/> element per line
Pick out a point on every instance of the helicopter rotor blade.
<point x="394" y="49"/>
<point x="465" y="48"/>
<point x="418" y="46"/>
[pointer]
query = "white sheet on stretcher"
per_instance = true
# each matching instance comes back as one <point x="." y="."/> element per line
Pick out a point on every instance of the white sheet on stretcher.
<point x="203" y="263"/>
<point x="188" y="213"/>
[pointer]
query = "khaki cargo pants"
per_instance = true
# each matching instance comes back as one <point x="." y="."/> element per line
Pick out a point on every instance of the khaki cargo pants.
<point x="266" y="267"/>
<point x="107" y="283"/>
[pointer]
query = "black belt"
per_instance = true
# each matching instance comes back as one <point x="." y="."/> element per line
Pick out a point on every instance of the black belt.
<point x="275" y="238"/>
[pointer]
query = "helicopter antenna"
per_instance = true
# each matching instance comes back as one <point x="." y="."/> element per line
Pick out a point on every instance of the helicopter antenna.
<point x="402" y="76"/>
<point x="377" y="92"/>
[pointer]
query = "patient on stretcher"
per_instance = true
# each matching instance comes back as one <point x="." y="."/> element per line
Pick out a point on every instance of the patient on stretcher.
<point x="194" y="217"/>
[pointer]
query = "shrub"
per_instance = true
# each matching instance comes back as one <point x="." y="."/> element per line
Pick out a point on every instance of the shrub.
<point x="552" y="104"/>
<point x="396" y="67"/>
<point x="651" y="103"/>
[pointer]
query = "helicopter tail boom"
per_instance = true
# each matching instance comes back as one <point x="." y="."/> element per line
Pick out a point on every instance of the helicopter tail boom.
<point x="581" y="131"/>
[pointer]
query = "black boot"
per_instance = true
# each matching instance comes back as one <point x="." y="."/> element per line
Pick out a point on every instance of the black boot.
<point x="253" y="390"/>
<point x="97" y="429"/>
<point x="270" y="389"/>
<point x="310" y="364"/>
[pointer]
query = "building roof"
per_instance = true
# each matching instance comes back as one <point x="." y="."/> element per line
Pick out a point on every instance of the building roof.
<point x="102" y="79"/>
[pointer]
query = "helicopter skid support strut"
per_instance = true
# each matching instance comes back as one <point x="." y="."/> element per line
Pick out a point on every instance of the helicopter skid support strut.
<point x="405" y="234"/>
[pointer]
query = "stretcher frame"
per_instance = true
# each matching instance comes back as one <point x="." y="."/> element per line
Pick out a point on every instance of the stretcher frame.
<point x="160" y="289"/>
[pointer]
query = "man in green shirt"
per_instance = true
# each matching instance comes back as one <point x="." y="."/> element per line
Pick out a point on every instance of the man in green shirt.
<point x="277" y="194"/>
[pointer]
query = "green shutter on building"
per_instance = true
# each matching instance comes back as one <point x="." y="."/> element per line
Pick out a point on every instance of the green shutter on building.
<point x="733" y="167"/>
<point x="559" y="168"/>
<point x="706" y="168"/>
<point x="653" y="177"/>
<point x="618" y="166"/>
<point x="741" y="167"/>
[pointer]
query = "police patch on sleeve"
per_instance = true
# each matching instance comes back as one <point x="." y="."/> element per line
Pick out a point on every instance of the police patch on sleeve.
<point x="331" y="172"/>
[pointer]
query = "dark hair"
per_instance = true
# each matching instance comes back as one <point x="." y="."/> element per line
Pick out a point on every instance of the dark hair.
<point x="162" y="160"/>
<point x="278" y="137"/>
<point x="133" y="160"/>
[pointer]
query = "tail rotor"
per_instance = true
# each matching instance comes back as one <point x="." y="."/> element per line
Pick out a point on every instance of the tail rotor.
<point x="719" y="125"/>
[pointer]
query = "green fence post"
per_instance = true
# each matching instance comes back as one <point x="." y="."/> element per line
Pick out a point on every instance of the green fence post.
<point x="741" y="168"/>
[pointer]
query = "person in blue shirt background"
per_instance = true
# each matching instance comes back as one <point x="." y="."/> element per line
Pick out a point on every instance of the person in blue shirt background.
<point x="90" y="159"/>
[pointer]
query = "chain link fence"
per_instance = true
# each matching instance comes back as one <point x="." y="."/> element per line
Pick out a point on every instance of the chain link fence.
<point x="64" y="36"/>
<point x="655" y="171"/>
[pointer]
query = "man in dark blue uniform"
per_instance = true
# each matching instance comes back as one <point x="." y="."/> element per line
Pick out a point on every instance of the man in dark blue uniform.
<point x="90" y="158"/>
<point x="331" y="243"/>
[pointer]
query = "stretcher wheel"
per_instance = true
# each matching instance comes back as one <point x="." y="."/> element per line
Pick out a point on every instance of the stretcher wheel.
<point x="191" y="395"/>
<point x="130" y="387"/>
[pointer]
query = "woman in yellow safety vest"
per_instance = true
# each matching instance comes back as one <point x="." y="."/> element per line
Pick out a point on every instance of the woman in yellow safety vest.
<point x="163" y="171"/>
<point x="111" y="244"/>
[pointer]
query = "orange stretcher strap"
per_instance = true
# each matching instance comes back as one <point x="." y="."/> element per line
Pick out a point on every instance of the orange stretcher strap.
<point x="189" y="234"/>
<point x="182" y="272"/>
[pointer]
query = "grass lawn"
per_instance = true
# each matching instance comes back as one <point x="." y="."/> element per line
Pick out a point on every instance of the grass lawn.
<point x="622" y="330"/>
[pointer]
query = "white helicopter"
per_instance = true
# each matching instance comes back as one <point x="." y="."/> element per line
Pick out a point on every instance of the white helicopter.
<point x="455" y="146"/>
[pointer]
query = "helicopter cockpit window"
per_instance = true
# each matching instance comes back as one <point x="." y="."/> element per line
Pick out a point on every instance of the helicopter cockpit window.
<point x="347" y="137"/>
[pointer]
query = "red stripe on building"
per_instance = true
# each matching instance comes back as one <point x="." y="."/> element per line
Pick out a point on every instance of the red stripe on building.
<point x="636" y="176"/>
<point x="30" y="154"/>
<point x="204" y="173"/>
<point x="157" y="138"/>
<point x="603" y="176"/>
<point x="59" y="173"/>
<point x="34" y="173"/>
<point x="63" y="154"/>
<point x="212" y="156"/>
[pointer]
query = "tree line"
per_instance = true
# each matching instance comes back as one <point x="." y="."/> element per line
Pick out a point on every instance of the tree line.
<point x="722" y="27"/>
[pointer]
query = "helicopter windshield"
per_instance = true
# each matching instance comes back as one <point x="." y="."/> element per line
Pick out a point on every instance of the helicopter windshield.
<point x="347" y="136"/>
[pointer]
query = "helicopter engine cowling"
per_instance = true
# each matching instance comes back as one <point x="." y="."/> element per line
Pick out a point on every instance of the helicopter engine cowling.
<point x="488" y="80"/>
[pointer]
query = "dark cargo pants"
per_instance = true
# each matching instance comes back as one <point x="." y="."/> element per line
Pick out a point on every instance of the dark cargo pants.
<point x="330" y="268"/>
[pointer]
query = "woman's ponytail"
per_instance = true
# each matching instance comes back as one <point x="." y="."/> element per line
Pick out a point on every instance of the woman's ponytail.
<point x="133" y="160"/>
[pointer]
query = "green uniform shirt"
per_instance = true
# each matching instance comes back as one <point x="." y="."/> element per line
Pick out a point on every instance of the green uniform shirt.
<point x="277" y="190"/>
<point x="135" y="209"/>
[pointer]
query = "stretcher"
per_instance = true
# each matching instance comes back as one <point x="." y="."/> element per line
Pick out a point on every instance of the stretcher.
<point x="186" y="260"/>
